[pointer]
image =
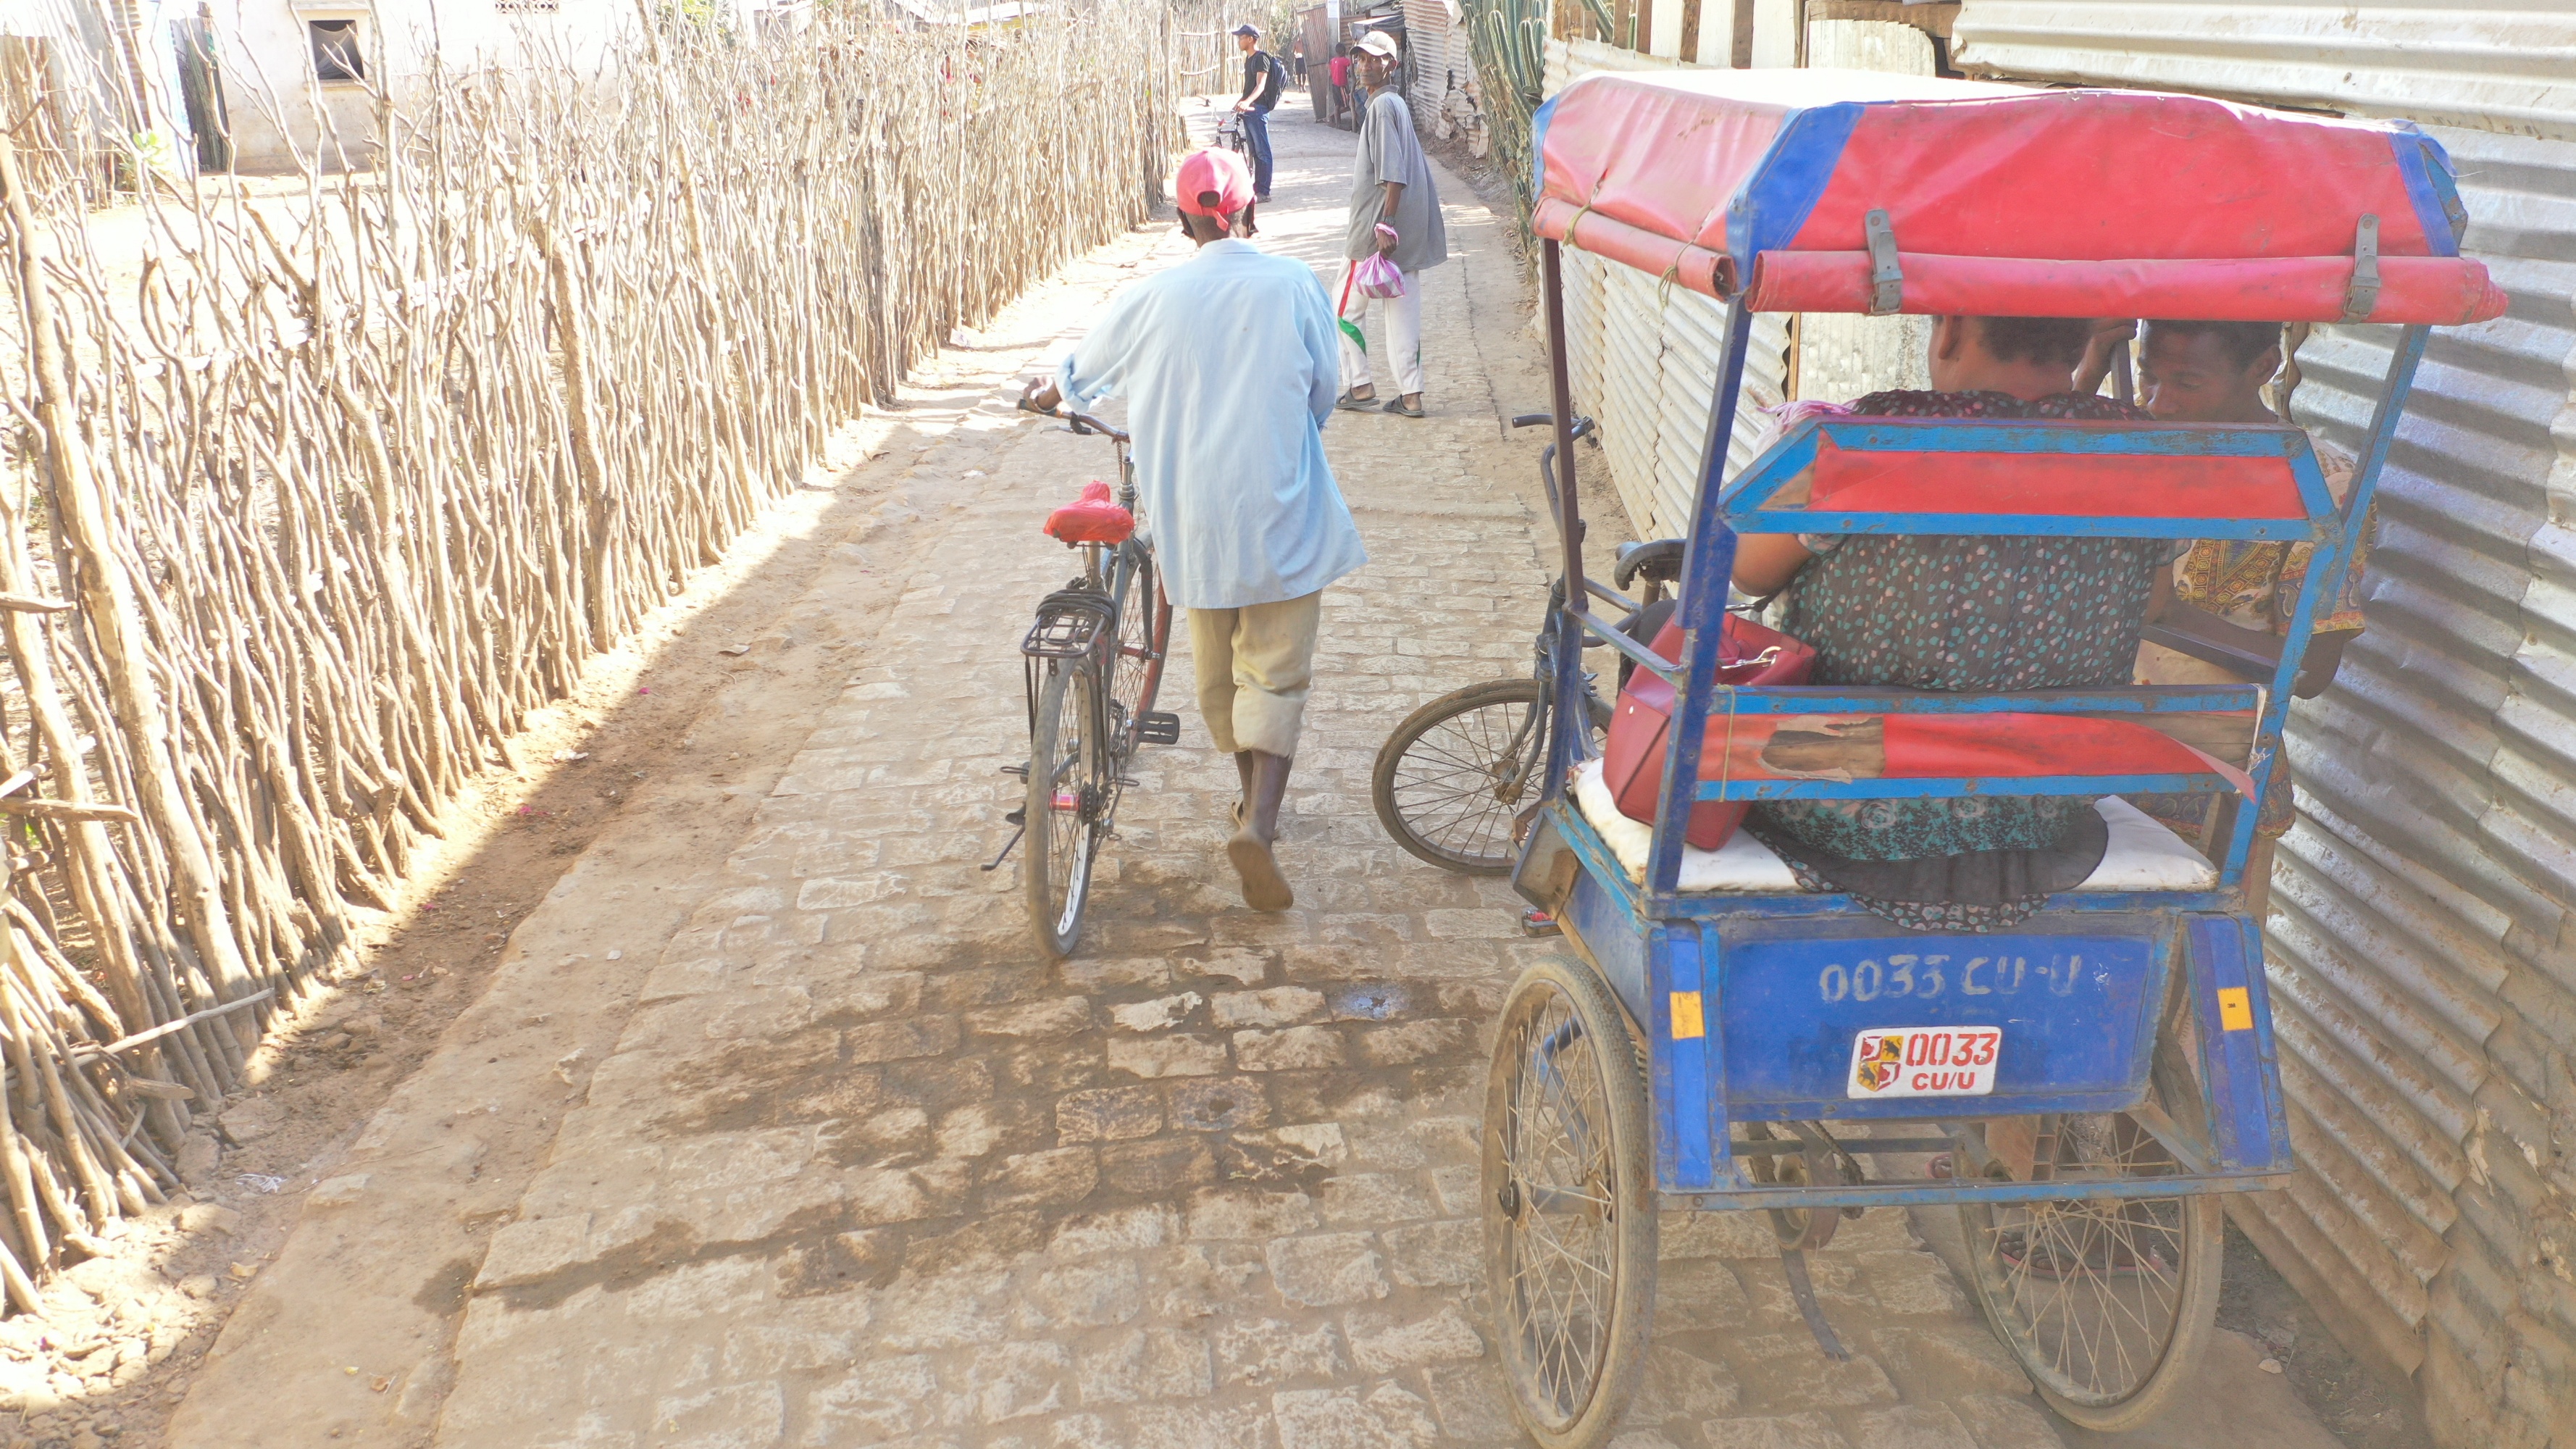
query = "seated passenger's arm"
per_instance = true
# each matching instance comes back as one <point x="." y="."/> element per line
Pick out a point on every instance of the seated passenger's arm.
<point x="2325" y="655"/>
<point x="1766" y="562"/>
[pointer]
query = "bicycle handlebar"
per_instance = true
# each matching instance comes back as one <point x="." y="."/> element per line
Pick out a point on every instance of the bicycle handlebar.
<point x="1083" y="424"/>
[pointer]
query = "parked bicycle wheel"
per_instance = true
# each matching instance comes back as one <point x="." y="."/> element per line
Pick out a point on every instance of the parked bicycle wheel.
<point x="1070" y="782"/>
<point x="2105" y="1301"/>
<point x="1452" y="777"/>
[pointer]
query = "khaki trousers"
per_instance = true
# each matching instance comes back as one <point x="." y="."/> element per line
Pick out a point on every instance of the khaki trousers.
<point x="1254" y="664"/>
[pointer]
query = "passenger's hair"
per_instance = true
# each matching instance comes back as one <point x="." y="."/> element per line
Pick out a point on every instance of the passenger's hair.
<point x="2242" y="341"/>
<point x="2037" y="339"/>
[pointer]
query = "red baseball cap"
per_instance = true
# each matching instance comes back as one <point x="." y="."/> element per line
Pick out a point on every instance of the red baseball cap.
<point x="1219" y="171"/>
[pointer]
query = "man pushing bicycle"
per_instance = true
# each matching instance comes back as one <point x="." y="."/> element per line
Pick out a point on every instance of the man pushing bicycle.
<point x="1231" y="362"/>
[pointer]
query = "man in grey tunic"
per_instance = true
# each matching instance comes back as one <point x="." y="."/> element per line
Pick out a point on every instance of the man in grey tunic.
<point x="1391" y="183"/>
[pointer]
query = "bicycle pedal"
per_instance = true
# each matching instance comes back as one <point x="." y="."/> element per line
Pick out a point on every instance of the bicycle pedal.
<point x="1020" y="770"/>
<point x="1017" y="817"/>
<point x="1158" y="727"/>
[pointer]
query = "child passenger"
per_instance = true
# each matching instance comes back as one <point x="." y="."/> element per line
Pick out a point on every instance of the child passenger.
<point x="2235" y="592"/>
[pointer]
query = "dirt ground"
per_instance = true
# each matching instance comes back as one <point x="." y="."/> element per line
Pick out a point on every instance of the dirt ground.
<point x="2363" y="1406"/>
<point x="122" y="1336"/>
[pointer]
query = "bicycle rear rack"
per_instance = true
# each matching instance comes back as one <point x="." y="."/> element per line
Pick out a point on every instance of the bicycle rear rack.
<point x="1068" y="625"/>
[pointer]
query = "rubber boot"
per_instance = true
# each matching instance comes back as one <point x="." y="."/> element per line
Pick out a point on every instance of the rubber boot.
<point x="1242" y="767"/>
<point x="1264" y="888"/>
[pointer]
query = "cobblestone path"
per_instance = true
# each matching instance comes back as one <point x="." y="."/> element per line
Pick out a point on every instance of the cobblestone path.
<point x="863" y="1169"/>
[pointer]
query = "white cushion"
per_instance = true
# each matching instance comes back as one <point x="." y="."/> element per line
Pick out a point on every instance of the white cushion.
<point x="2143" y="856"/>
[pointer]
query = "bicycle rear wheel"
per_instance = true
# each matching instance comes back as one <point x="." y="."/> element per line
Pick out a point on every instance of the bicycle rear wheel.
<point x="1453" y="776"/>
<point x="1068" y="801"/>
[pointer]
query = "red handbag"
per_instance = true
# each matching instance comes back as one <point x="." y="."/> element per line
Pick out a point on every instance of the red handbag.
<point x="1632" y="759"/>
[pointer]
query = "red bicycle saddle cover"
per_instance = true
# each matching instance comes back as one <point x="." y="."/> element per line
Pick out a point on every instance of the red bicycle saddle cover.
<point x="1091" y="518"/>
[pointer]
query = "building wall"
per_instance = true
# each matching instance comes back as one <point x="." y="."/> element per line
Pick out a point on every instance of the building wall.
<point x="1644" y="356"/>
<point x="2422" y="946"/>
<point x="279" y="111"/>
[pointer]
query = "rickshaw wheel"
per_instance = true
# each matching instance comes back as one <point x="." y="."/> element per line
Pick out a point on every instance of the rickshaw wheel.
<point x="2106" y="1302"/>
<point x="1569" y="1199"/>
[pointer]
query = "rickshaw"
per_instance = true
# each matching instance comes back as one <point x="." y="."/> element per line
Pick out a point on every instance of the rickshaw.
<point x="2079" y="1085"/>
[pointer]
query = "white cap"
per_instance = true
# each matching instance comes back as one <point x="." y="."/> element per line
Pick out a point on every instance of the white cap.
<point x="1378" y="42"/>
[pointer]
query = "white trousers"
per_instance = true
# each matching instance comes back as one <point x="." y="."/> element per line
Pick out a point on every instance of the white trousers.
<point x="1403" y="333"/>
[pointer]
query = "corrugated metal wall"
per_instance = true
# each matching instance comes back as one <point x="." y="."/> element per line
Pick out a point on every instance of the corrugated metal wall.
<point x="1436" y="41"/>
<point x="2506" y="65"/>
<point x="1645" y="356"/>
<point x="2423" y="967"/>
<point x="2422" y="947"/>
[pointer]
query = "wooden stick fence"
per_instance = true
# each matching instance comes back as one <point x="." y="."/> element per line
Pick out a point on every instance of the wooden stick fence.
<point x="294" y="535"/>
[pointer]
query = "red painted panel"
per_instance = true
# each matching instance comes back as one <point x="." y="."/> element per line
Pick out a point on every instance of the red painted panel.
<point x="1849" y="480"/>
<point x="2001" y="746"/>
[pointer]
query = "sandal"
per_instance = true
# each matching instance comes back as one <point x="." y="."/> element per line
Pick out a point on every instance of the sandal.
<point x="1396" y="406"/>
<point x="1356" y="404"/>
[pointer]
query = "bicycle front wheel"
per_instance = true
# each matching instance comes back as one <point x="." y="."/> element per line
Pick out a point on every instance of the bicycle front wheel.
<point x="1453" y="776"/>
<point x="1067" y="802"/>
<point x="1144" y="639"/>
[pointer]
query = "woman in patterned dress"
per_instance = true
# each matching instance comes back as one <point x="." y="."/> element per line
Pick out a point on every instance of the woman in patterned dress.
<point x="1967" y="613"/>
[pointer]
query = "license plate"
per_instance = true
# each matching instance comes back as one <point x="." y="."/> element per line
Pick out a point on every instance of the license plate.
<point x="1925" y="1061"/>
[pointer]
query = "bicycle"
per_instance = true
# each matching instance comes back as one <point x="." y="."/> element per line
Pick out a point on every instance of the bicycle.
<point x="1456" y="776"/>
<point x="1091" y="663"/>
<point x="1229" y="134"/>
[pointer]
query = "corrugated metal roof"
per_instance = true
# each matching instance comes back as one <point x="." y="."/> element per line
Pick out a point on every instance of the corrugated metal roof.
<point x="2500" y="66"/>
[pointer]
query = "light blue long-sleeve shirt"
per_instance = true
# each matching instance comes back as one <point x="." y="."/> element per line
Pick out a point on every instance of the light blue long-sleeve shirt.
<point x="1230" y="364"/>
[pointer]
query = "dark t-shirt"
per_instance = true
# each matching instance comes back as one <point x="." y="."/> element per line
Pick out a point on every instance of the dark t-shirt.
<point x="1261" y="80"/>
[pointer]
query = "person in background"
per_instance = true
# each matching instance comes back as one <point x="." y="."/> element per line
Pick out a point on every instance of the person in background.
<point x="1339" y="73"/>
<point x="1228" y="359"/>
<point x="1390" y="183"/>
<point x="1297" y="60"/>
<point x="2236" y="594"/>
<point x="1263" y="78"/>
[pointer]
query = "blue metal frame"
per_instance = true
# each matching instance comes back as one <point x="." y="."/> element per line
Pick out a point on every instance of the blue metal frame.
<point x="1716" y="962"/>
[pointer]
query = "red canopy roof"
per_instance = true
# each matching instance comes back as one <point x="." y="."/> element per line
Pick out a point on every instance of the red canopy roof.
<point x="2003" y="200"/>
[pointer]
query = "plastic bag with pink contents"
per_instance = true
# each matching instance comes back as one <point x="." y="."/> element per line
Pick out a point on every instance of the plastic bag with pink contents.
<point x="1376" y="275"/>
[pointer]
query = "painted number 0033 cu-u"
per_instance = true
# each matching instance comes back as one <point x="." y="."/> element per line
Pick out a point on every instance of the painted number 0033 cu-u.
<point x="1926" y="976"/>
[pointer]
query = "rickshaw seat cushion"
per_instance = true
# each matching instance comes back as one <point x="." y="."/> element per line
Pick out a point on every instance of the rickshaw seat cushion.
<point x="1092" y="518"/>
<point x="2142" y="856"/>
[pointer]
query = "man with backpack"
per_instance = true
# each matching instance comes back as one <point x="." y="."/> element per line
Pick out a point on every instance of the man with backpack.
<point x="1263" y="77"/>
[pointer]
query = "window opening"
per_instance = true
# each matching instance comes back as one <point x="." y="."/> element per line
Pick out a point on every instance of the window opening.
<point x="336" y="56"/>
